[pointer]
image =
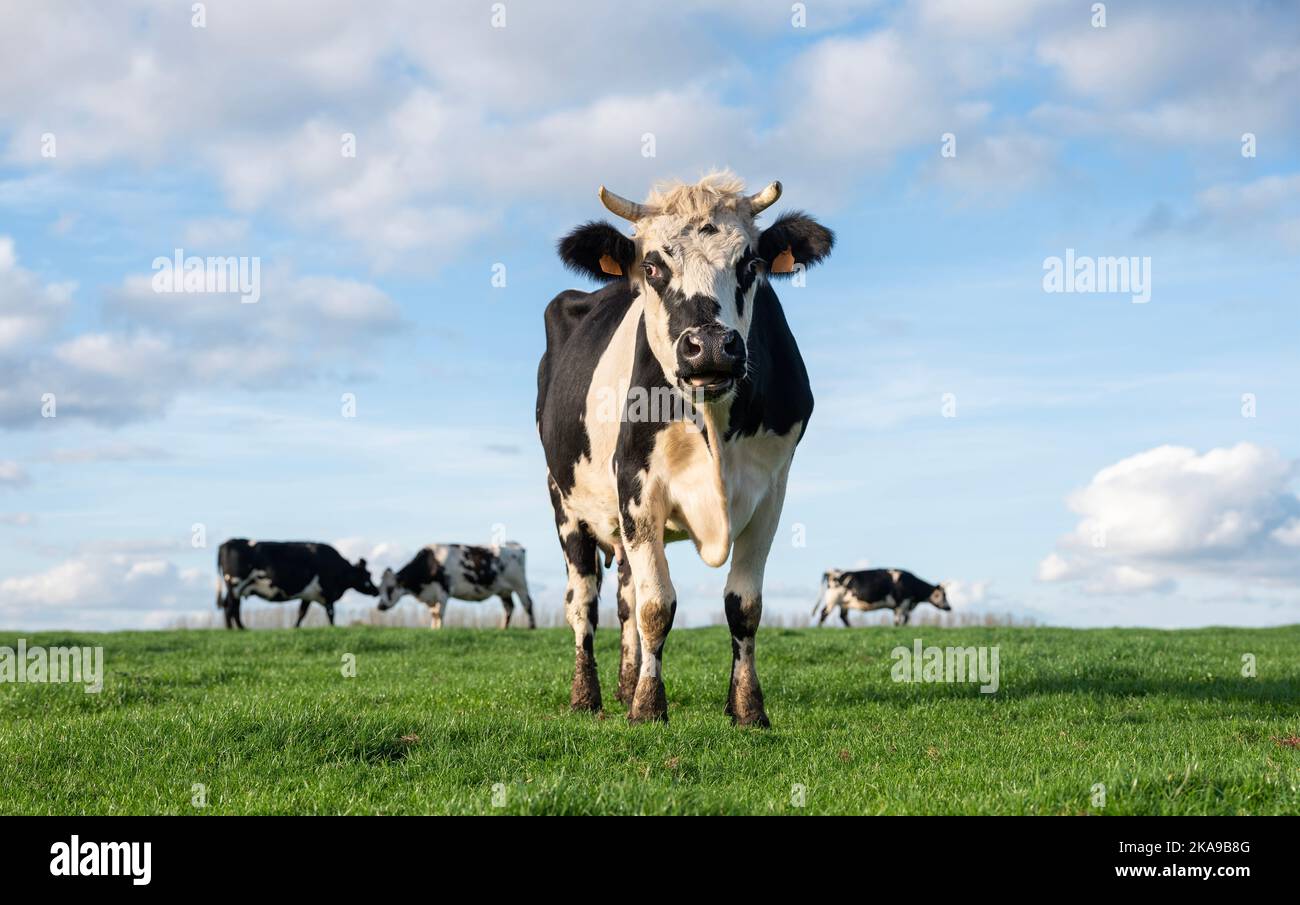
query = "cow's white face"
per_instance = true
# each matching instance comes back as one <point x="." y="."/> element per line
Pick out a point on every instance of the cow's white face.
<point x="389" y="593"/>
<point x="697" y="261"/>
<point x="697" y="276"/>
<point x="939" y="597"/>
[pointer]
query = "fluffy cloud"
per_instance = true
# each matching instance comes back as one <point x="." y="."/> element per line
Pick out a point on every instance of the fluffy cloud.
<point x="101" y="581"/>
<point x="968" y="593"/>
<point x="1171" y="512"/>
<point x="152" y="346"/>
<point x="1267" y="207"/>
<point x="1158" y="77"/>
<point x="455" y="119"/>
<point x="29" y="310"/>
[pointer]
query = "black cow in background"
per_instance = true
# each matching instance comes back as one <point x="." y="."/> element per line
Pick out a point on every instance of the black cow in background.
<point x="877" y="589"/>
<point x="290" y="570"/>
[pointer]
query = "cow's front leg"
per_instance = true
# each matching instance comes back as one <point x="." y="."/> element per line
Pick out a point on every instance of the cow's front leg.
<point x="656" y="605"/>
<point x="743" y="602"/>
<point x="233" y="612"/>
<point x="629" y="657"/>
<point x="901" y="616"/>
<point x="435" y="613"/>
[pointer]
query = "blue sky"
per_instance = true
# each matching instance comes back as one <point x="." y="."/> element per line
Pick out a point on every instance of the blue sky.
<point x="1100" y="468"/>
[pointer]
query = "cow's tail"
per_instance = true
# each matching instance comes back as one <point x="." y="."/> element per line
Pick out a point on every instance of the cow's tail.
<point x="821" y="595"/>
<point x="221" y="592"/>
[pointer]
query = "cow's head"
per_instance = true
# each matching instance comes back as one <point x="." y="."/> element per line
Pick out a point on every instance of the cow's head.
<point x="697" y="258"/>
<point x="360" y="581"/>
<point x="939" y="597"/>
<point x="389" y="590"/>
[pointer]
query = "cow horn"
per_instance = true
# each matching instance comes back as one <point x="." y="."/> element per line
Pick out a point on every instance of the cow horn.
<point x="764" y="199"/>
<point x="620" y="206"/>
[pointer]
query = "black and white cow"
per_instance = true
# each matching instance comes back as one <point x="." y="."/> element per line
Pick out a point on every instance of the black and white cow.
<point x="669" y="404"/>
<point x="877" y="589"/>
<point x="442" y="571"/>
<point x="280" y="571"/>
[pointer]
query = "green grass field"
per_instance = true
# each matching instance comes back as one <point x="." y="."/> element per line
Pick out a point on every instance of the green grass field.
<point x="434" y="721"/>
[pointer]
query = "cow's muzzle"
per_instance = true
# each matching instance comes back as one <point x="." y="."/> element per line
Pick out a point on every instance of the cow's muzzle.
<point x="710" y="359"/>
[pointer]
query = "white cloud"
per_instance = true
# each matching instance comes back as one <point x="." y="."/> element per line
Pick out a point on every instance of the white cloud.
<point x="1289" y="533"/>
<point x="98" y="581"/>
<point x="154" y="346"/>
<point x="12" y="474"/>
<point x="993" y="167"/>
<point x="1205" y="75"/>
<point x="1171" y="512"/>
<point x="378" y="556"/>
<point x="963" y="593"/>
<point x="29" y="310"/>
<point x="863" y="98"/>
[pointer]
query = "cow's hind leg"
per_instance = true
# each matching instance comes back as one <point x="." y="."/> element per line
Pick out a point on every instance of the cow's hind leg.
<point x="527" y="602"/>
<point x="581" y="599"/>
<point x="508" y="604"/>
<point x="302" y="613"/>
<point x="629" y="659"/>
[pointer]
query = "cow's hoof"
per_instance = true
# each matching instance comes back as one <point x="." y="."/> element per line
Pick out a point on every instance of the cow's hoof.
<point x="746" y="709"/>
<point x="585" y="695"/>
<point x="649" y="702"/>
<point x="758" y="719"/>
<point x="627" y="685"/>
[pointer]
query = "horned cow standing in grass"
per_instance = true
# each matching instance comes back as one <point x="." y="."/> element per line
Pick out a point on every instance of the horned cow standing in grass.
<point x="669" y="404"/>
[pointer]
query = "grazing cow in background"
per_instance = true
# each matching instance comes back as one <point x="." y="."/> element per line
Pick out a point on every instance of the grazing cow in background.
<point x="279" y="571"/>
<point x="669" y="405"/>
<point x="877" y="589"/>
<point x="442" y="571"/>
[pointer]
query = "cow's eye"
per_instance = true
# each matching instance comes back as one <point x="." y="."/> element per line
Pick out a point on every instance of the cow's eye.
<point x="651" y="271"/>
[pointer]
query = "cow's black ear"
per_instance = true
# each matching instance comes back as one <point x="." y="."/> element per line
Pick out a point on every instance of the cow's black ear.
<point x="361" y="563"/>
<point x="598" y="250"/>
<point x="794" y="239"/>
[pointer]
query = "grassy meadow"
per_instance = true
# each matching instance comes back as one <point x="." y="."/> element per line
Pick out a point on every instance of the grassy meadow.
<point x="475" y="721"/>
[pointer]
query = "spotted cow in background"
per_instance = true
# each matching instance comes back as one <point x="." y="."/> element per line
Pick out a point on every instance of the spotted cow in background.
<point x="877" y="589"/>
<point x="669" y="405"/>
<point x="442" y="571"/>
<point x="286" y="570"/>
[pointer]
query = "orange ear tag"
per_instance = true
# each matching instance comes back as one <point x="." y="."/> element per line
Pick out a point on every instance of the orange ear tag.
<point x="783" y="263"/>
<point x="610" y="266"/>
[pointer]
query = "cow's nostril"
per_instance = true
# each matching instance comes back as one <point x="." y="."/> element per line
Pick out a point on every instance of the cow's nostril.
<point x="691" y="347"/>
<point x="732" y="345"/>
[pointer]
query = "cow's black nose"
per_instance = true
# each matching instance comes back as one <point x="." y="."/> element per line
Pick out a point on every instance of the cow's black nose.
<point x="712" y="353"/>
